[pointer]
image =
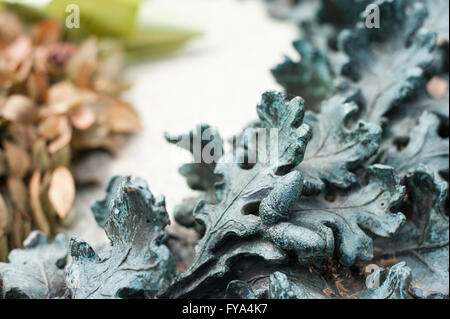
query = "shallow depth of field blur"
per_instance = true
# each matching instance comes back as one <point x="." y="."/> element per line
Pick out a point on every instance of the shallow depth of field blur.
<point x="216" y="78"/>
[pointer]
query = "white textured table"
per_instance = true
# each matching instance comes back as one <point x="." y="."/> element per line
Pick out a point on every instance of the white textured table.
<point x="217" y="79"/>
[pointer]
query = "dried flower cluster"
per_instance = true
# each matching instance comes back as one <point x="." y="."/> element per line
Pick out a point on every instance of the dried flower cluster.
<point x="355" y="207"/>
<point x="57" y="98"/>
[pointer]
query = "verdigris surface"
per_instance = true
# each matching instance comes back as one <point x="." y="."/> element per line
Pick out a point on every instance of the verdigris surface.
<point x="138" y="263"/>
<point x="346" y="196"/>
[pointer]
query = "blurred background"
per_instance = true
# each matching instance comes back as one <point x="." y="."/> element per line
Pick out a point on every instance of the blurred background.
<point x="217" y="77"/>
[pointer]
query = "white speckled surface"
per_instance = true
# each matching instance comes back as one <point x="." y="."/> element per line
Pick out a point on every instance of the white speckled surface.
<point x="216" y="79"/>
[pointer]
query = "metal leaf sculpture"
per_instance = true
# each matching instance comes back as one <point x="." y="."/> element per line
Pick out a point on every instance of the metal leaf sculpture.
<point x="139" y="264"/>
<point x="423" y="242"/>
<point x="235" y="216"/>
<point x="371" y="206"/>
<point x="311" y="77"/>
<point x="425" y="147"/>
<point x="200" y="174"/>
<point x="348" y="199"/>
<point x="387" y="79"/>
<point x="337" y="147"/>
<point x="257" y="203"/>
<point x="301" y="284"/>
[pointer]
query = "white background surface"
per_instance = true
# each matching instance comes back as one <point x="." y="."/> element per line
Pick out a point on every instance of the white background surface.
<point x="216" y="79"/>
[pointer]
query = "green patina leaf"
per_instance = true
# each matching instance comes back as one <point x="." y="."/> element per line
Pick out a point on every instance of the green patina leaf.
<point x="340" y="218"/>
<point x="342" y="12"/>
<point x="301" y="283"/>
<point x="403" y="120"/>
<point x="340" y="143"/>
<point x="299" y="213"/>
<point x="244" y="187"/>
<point x="37" y="271"/>
<point x="425" y="147"/>
<point x="311" y="77"/>
<point x="423" y="243"/>
<point x="437" y="19"/>
<point x="199" y="174"/>
<point x="139" y="264"/>
<point x="387" y="63"/>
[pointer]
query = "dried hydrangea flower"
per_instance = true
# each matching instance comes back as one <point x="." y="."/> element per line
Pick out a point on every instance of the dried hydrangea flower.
<point x="57" y="99"/>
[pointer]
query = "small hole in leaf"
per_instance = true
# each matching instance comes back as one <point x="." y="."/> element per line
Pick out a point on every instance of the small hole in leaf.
<point x="148" y="220"/>
<point x="251" y="209"/>
<point x="444" y="175"/>
<point x="332" y="42"/>
<point x="443" y="129"/>
<point x="401" y="143"/>
<point x="330" y="194"/>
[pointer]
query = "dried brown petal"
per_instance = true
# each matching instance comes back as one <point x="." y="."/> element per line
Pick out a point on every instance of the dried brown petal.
<point x="97" y="136"/>
<point x="90" y="138"/>
<point x="67" y="103"/>
<point x="62" y="141"/>
<point x="18" y="160"/>
<point x="10" y="28"/>
<point x="40" y="156"/>
<point x="57" y="129"/>
<point x="83" y="62"/>
<point x="82" y="118"/>
<point x="53" y="126"/>
<point x="18" y="231"/>
<point x="62" y="91"/>
<point x="63" y="97"/>
<point x="62" y="157"/>
<point x="19" y="108"/>
<point x="36" y="207"/>
<point x="122" y="118"/>
<point x="18" y="193"/>
<point x="37" y="87"/>
<point x="24" y="70"/>
<point x="46" y="32"/>
<point x="5" y="218"/>
<point x="18" y="57"/>
<point x="62" y="191"/>
<point x="46" y="204"/>
<point x="3" y="248"/>
<point x="22" y="135"/>
<point x="40" y="59"/>
<point x="3" y="164"/>
<point x="18" y="51"/>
